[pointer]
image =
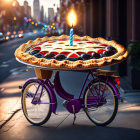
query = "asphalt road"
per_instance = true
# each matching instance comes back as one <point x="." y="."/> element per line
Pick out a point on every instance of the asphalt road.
<point x="8" y="64"/>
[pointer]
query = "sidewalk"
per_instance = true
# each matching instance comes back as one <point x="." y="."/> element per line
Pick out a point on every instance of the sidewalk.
<point x="125" y="126"/>
<point x="10" y="94"/>
<point x="60" y="126"/>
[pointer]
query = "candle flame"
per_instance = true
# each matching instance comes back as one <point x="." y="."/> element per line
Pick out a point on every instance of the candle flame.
<point x="72" y="18"/>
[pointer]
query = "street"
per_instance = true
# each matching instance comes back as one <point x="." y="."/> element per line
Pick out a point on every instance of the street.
<point x="14" y="125"/>
<point x="8" y="64"/>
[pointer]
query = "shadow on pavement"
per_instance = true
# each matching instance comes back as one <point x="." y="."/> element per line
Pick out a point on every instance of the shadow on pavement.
<point x="85" y="132"/>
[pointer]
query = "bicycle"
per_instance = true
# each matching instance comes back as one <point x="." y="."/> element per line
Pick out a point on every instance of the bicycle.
<point x="99" y="99"/>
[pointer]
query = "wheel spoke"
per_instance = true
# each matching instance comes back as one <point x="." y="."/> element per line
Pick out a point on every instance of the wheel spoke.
<point x="103" y="113"/>
<point x="34" y="112"/>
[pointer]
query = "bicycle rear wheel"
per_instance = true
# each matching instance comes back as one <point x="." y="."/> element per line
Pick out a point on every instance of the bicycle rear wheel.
<point x="101" y="104"/>
<point x="37" y="113"/>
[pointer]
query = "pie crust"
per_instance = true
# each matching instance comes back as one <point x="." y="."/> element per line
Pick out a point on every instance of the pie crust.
<point x="118" y="57"/>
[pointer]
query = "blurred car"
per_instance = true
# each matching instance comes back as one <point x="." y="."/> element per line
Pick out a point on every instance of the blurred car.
<point x="34" y="31"/>
<point x="20" y="35"/>
<point x="12" y="36"/>
<point x="6" y="38"/>
<point x="16" y="35"/>
<point x="1" y="37"/>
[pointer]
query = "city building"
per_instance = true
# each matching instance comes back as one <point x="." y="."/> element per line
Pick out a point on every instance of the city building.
<point x="27" y="9"/>
<point x="42" y="14"/>
<point x="50" y="15"/>
<point x="36" y="10"/>
<point x="111" y="19"/>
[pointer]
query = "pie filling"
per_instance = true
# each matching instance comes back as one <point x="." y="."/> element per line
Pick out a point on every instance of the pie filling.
<point x="81" y="50"/>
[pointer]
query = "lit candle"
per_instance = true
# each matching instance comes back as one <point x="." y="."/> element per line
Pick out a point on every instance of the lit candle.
<point x="71" y="36"/>
<point x="72" y="19"/>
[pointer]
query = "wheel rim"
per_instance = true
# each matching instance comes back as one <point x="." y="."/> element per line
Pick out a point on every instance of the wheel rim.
<point x="100" y="113"/>
<point x="35" y="113"/>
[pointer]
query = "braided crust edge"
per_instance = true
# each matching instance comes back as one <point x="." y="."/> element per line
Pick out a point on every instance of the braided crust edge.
<point x="121" y="55"/>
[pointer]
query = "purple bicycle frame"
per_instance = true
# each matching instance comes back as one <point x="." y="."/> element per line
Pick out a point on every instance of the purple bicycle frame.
<point x="65" y="95"/>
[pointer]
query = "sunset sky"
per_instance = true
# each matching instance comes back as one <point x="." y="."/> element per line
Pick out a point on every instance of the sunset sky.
<point x="46" y="3"/>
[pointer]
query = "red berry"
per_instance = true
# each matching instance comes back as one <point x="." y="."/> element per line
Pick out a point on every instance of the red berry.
<point x="77" y="40"/>
<point x="51" y="41"/>
<point x="100" y="51"/>
<point x="36" y="48"/>
<point x="44" y="52"/>
<point x="90" y="52"/>
<point x="73" y="55"/>
<point x="62" y="40"/>
<point x="65" y="53"/>
<point x="90" y="42"/>
<point x="103" y="45"/>
<point x="80" y="53"/>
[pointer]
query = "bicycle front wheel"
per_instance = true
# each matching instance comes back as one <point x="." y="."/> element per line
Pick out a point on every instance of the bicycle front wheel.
<point x="101" y="104"/>
<point x="37" y="112"/>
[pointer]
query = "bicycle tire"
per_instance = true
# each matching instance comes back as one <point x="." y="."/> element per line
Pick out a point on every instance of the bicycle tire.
<point x="111" y="118"/>
<point x="48" y="114"/>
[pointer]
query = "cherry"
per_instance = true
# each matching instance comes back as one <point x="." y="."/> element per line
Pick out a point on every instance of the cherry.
<point x="100" y="51"/>
<point x="55" y="52"/>
<point x="51" y="41"/>
<point x="36" y="48"/>
<point x="73" y="55"/>
<point x="79" y="53"/>
<point x="90" y="52"/>
<point x="44" y="52"/>
<point x="65" y="53"/>
<point x="103" y="45"/>
<point x="90" y="42"/>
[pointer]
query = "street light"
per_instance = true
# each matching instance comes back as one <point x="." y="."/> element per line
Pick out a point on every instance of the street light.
<point x="14" y="4"/>
<point x="15" y="18"/>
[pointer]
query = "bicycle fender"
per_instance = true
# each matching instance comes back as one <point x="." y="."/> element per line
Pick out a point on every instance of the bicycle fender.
<point x="116" y="91"/>
<point x="111" y="84"/>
